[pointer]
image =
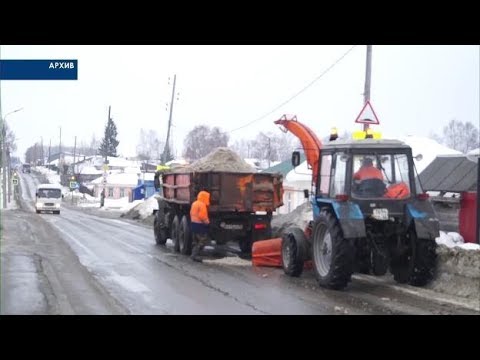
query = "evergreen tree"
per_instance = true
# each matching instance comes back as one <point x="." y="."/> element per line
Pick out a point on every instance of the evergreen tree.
<point x="108" y="146"/>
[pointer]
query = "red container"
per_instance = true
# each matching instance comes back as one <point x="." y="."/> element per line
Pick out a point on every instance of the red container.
<point x="468" y="217"/>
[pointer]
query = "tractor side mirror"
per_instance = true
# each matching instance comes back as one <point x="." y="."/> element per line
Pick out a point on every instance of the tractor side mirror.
<point x="295" y="158"/>
<point x="306" y="193"/>
<point x="418" y="157"/>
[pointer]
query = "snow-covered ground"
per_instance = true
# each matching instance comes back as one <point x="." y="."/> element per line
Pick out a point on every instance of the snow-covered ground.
<point x="12" y="204"/>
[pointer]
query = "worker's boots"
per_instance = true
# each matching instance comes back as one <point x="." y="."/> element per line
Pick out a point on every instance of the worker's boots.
<point x="195" y="253"/>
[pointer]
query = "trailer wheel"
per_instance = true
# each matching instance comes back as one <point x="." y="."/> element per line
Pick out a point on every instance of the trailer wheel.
<point x="175" y="228"/>
<point x="184" y="236"/>
<point x="294" y="251"/>
<point x="245" y="244"/>
<point x="159" y="232"/>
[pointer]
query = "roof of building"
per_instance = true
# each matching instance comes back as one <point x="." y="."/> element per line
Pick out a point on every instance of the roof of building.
<point x="452" y="173"/>
<point x="284" y="167"/>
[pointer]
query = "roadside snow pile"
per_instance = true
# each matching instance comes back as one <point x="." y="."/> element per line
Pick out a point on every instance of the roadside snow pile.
<point x="458" y="266"/>
<point x="50" y="175"/>
<point x="453" y="239"/>
<point x="220" y="159"/>
<point x="79" y="197"/>
<point x="299" y="217"/>
<point x="458" y="270"/>
<point x="142" y="211"/>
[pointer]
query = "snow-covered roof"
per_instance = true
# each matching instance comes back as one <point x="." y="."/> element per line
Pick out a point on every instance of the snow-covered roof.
<point x="429" y="149"/>
<point x="116" y="162"/>
<point x="124" y="178"/>
<point x="177" y="162"/>
<point x="90" y="170"/>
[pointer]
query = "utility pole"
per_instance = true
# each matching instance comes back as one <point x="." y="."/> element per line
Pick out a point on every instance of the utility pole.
<point x="368" y="73"/>
<point x="166" y="151"/>
<point x="9" y="174"/>
<point x="60" y="153"/>
<point x="49" y="147"/>
<point x="105" y="165"/>
<point x="4" y="177"/>
<point x="73" y="166"/>
<point x="269" y="152"/>
<point x="478" y="199"/>
<point x="42" y="154"/>
<point x="35" y="155"/>
<point x="4" y="165"/>
<point x="74" y="150"/>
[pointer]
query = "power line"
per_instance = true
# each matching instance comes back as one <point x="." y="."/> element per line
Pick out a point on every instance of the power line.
<point x="296" y="94"/>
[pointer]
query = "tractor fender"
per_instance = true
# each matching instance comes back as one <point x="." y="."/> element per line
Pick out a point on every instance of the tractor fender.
<point x="421" y="216"/>
<point x="349" y="216"/>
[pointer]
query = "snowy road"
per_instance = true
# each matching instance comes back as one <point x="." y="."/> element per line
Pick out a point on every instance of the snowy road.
<point x="78" y="263"/>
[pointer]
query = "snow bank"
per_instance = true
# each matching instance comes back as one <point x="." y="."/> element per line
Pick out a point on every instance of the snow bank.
<point x="458" y="271"/>
<point x="453" y="239"/>
<point x="299" y="217"/>
<point x="142" y="209"/>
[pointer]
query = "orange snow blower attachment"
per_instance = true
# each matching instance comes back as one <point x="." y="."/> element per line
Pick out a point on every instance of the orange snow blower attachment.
<point x="267" y="253"/>
<point x="310" y="142"/>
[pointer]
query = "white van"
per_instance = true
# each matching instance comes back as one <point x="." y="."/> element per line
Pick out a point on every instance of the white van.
<point x="48" y="198"/>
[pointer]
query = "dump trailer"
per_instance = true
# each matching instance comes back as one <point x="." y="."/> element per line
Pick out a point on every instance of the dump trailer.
<point x="241" y="206"/>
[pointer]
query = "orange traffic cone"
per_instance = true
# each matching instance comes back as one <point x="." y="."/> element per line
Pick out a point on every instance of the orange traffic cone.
<point x="267" y="253"/>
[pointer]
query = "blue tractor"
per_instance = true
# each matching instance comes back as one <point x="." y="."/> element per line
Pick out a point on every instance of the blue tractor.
<point x="369" y="224"/>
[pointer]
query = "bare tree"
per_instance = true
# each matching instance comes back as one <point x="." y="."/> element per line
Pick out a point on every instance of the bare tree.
<point x="273" y="147"/>
<point x="149" y="146"/>
<point x="461" y="136"/>
<point x="243" y="148"/>
<point x="201" y="140"/>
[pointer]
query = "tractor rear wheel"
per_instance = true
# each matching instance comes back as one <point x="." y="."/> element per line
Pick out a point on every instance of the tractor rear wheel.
<point x="417" y="265"/>
<point x="333" y="256"/>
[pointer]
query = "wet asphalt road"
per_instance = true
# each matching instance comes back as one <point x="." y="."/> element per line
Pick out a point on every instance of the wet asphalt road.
<point x="80" y="263"/>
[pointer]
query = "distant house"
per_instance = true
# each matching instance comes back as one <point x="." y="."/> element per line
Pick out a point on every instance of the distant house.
<point x="120" y="185"/>
<point x="294" y="182"/>
<point x="260" y="165"/>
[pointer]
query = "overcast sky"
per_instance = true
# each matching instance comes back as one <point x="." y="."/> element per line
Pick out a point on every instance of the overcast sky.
<point x="414" y="90"/>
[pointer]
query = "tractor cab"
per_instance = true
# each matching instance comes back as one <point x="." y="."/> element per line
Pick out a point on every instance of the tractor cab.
<point x="373" y="173"/>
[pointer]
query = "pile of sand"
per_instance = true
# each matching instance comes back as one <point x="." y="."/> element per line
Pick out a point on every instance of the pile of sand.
<point x="220" y="159"/>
